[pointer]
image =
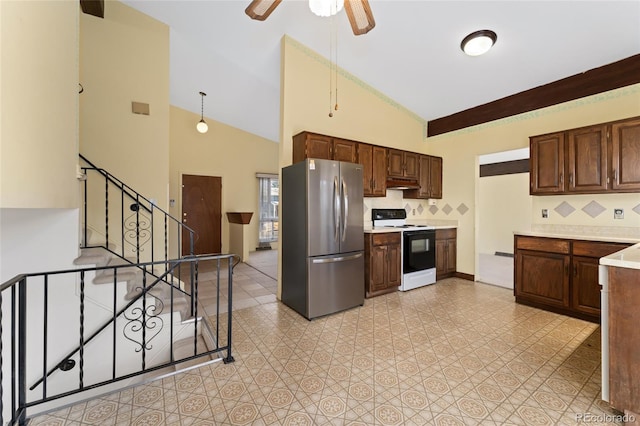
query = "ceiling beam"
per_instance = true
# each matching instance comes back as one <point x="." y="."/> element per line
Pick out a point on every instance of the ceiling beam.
<point x="93" y="7"/>
<point x="608" y="77"/>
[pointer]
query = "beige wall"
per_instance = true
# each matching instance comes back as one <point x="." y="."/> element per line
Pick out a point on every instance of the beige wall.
<point x="39" y="104"/>
<point x="123" y="58"/>
<point x="504" y="204"/>
<point x="364" y="114"/>
<point x="224" y="151"/>
<point x="460" y="151"/>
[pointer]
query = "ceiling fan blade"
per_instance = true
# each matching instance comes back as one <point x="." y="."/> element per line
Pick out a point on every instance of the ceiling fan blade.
<point x="360" y="16"/>
<point x="261" y="9"/>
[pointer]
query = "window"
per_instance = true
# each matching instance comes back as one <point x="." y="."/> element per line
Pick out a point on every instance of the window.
<point x="269" y="199"/>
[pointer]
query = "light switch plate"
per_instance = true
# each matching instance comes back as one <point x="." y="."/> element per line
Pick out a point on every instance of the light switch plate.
<point x="618" y="213"/>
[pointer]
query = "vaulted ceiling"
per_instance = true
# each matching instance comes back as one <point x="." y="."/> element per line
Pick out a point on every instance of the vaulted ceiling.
<point x="412" y="55"/>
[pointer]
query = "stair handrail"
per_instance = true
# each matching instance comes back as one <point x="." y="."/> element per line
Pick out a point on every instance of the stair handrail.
<point x="18" y="333"/>
<point x="113" y="318"/>
<point x="137" y="198"/>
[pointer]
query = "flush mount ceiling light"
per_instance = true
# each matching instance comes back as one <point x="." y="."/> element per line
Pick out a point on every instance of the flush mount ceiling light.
<point x="326" y="8"/>
<point x="478" y="42"/>
<point x="202" y="127"/>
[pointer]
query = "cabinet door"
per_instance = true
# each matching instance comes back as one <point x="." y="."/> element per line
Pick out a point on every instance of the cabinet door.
<point x="435" y="177"/>
<point x="394" y="274"/>
<point x="451" y="256"/>
<point x="411" y="165"/>
<point x="396" y="163"/>
<point x="365" y="157"/>
<point x="424" y="179"/>
<point x="379" y="186"/>
<point x="310" y="145"/>
<point x="543" y="277"/>
<point x="585" y="287"/>
<point x="441" y="258"/>
<point x="547" y="164"/>
<point x="377" y="268"/>
<point x="625" y="164"/>
<point x="587" y="165"/>
<point x="344" y="150"/>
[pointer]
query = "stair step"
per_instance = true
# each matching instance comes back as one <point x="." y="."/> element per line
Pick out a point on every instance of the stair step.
<point x="93" y="256"/>
<point x="184" y="348"/>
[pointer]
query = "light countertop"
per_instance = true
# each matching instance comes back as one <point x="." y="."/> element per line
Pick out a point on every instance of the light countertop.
<point x="603" y="238"/>
<point x="383" y="229"/>
<point x="626" y="258"/>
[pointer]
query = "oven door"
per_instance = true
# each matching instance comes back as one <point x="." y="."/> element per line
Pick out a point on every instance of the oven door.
<point x="418" y="251"/>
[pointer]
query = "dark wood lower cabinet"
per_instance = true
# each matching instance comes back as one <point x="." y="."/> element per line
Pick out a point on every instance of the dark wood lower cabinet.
<point x="382" y="263"/>
<point x="560" y="275"/>
<point x="624" y="339"/>
<point x="446" y="252"/>
<point x="543" y="278"/>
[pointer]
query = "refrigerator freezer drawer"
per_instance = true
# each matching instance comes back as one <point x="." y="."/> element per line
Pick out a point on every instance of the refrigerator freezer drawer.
<point x="335" y="283"/>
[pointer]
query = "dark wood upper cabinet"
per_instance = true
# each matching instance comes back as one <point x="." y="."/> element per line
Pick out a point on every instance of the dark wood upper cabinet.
<point x="589" y="160"/>
<point x="374" y="161"/>
<point x="311" y="145"/>
<point x="379" y="163"/>
<point x="344" y="150"/>
<point x="547" y="163"/>
<point x="429" y="178"/>
<point x="625" y="158"/>
<point x="435" y="177"/>
<point x="402" y="164"/>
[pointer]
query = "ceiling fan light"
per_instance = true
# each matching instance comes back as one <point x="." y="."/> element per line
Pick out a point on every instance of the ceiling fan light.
<point x="360" y="16"/>
<point x="261" y="9"/>
<point x="326" y="8"/>
<point x="478" y="43"/>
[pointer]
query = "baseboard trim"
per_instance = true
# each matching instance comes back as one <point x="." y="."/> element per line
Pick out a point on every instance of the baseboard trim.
<point x="464" y="276"/>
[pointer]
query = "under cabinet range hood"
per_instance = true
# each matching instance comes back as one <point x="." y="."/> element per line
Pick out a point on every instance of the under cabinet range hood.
<point x="400" y="183"/>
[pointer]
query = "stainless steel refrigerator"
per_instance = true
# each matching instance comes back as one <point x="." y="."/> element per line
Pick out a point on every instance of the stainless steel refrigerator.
<point x="322" y="239"/>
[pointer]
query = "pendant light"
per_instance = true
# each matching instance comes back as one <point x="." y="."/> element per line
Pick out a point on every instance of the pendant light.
<point x="202" y="126"/>
<point x="478" y="42"/>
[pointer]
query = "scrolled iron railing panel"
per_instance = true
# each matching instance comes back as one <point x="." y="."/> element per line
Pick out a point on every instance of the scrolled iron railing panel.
<point x="23" y="397"/>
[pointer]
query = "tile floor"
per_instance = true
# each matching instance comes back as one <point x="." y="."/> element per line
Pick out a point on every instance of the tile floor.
<point x="453" y="353"/>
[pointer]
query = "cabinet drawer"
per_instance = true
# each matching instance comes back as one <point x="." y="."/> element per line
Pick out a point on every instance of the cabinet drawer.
<point x="385" y="238"/>
<point x="550" y="245"/>
<point x="596" y="249"/>
<point x="445" y="234"/>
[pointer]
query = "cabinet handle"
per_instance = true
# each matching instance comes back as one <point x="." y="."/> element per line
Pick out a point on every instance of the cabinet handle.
<point x="561" y="178"/>
<point x="566" y="269"/>
<point x="575" y="270"/>
<point x="615" y="175"/>
<point x="570" y="178"/>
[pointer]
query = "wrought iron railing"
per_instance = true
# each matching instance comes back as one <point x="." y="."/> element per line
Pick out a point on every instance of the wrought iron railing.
<point x="45" y="314"/>
<point x="117" y="217"/>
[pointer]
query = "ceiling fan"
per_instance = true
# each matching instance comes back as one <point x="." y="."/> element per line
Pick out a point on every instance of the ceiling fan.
<point x="358" y="12"/>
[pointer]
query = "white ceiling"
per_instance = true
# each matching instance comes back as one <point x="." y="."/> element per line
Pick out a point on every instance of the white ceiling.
<point x="412" y="55"/>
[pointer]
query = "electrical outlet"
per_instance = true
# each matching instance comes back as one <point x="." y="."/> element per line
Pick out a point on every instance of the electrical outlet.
<point x="545" y="213"/>
<point x="618" y="213"/>
<point x="413" y="212"/>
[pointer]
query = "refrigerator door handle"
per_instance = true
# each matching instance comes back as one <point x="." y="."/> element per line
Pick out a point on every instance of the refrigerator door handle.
<point x="336" y="208"/>
<point x="337" y="259"/>
<point x="345" y="201"/>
